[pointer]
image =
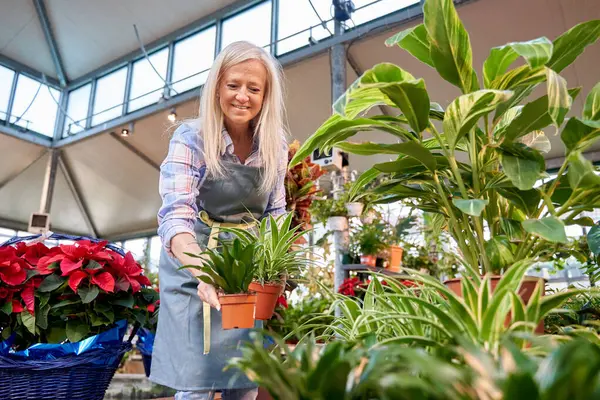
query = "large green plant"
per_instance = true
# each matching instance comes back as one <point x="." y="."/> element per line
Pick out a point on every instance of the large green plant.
<point x="230" y="268"/>
<point x="276" y="255"/>
<point x="502" y="140"/>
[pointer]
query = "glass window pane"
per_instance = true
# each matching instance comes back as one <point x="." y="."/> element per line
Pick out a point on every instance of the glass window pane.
<point x="252" y="25"/>
<point x="192" y="56"/>
<point x="137" y="247"/>
<point x="110" y="90"/>
<point x="295" y="16"/>
<point x="379" y="9"/>
<point x="146" y="85"/>
<point x="36" y="105"/>
<point x="77" y="110"/>
<point x="6" y="80"/>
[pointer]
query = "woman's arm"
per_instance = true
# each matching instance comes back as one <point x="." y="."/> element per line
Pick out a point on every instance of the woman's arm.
<point x="277" y="200"/>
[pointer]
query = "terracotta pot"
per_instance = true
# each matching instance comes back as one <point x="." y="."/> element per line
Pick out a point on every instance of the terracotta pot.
<point x="395" y="258"/>
<point x="370" y="261"/>
<point x="237" y="310"/>
<point x="525" y="292"/>
<point x="266" y="298"/>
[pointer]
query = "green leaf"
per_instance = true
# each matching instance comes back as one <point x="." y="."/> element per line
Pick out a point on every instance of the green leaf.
<point x="583" y="221"/>
<point x="525" y="200"/>
<point x="559" y="101"/>
<point x="536" y="52"/>
<point x="581" y="173"/>
<point x="42" y="316"/>
<point x="580" y="135"/>
<point x="77" y="330"/>
<point x="56" y="334"/>
<point x="569" y="45"/>
<point x="549" y="228"/>
<point x="499" y="252"/>
<point x="522" y="172"/>
<point x="534" y="116"/>
<point x="416" y="41"/>
<point x="411" y="149"/>
<point x="93" y="265"/>
<point x="28" y="321"/>
<point x="512" y="228"/>
<point x="464" y="112"/>
<point x="359" y="185"/>
<point x="126" y="301"/>
<point x="7" y="308"/>
<point x="517" y="79"/>
<point x="51" y="282"/>
<point x="450" y="46"/>
<point x="472" y="207"/>
<point x="537" y="140"/>
<point x="412" y="99"/>
<point x="88" y="294"/>
<point x="591" y="109"/>
<point x="593" y="239"/>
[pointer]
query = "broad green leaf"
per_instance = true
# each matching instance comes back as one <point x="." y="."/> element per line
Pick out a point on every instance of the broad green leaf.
<point x="358" y="185"/>
<point x="41" y="316"/>
<point x="77" y="330"/>
<point x="499" y="251"/>
<point x="537" y="140"/>
<point x="465" y="111"/>
<point x="549" y="228"/>
<point x="522" y="172"/>
<point x="519" y="78"/>
<point x="593" y="239"/>
<point x="450" y="45"/>
<point x="29" y="321"/>
<point x="591" y="109"/>
<point x="512" y="228"/>
<point x="580" y="135"/>
<point x="51" y="282"/>
<point x="7" y="308"/>
<point x="534" y="116"/>
<point x="472" y="207"/>
<point x="338" y="128"/>
<point x="527" y="200"/>
<point x="559" y="101"/>
<point x="581" y="173"/>
<point x="536" y="52"/>
<point x="416" y="41"/>
<point x="126" y="301"/>
<point x="569" y="45"/>
<point x="583" y="221"/>
<point x="410" y="149"/>
<point x="56" y="334"/>
<point x="88" y="294"/>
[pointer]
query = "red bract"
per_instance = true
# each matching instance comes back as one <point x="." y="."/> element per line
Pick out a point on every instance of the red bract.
<point x="72" y="257"/>
<point x="282" y="301"/>
<point x="128" y="273"/>
<point x="31" y="253"/>
<point x="13" y="270"/>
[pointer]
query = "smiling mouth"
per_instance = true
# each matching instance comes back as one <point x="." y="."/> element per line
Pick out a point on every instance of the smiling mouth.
<point x="241" y="107"/>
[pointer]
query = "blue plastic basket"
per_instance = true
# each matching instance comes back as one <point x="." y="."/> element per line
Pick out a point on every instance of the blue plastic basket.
<point x="84" y="376"/>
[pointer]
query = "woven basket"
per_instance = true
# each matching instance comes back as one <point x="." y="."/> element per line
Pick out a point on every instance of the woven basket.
<point x="84" y="376"/>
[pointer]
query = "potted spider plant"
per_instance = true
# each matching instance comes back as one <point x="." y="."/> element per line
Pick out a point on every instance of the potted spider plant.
<point x="493" y="125"/>
<point x="276" y="258"/>
<point x="230" y="271"/>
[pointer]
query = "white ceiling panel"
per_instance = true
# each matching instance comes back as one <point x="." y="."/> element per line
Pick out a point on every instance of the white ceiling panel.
<point x="15" y="156"/>
<point x="93" y="33"/>
<point x="119" y="188"/>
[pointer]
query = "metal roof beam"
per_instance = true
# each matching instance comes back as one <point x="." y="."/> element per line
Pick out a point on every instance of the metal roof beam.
<point x="25" y="135"/>
<point x="40" y="8"/>
<point x="28" y="71"/>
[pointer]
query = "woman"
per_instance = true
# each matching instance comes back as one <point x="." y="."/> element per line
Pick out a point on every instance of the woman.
<point x="230" y="164"/>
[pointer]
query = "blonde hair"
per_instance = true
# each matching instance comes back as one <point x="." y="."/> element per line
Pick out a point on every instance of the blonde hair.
<point x="269" y="124"/>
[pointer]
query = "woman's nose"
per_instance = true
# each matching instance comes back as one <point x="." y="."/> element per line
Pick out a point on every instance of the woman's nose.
<point x="241" y="96"/>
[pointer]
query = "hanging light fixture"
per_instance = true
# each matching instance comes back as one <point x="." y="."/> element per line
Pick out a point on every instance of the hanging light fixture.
<point x="172" y="115"/>
<point x="125" y="132"/>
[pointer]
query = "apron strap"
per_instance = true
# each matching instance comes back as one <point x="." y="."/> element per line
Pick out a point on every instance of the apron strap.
<point x="212" y="243"/>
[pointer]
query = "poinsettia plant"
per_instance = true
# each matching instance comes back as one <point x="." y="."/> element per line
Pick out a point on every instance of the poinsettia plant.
<point x="300" y="187"/>
<point x="69" y="292"/>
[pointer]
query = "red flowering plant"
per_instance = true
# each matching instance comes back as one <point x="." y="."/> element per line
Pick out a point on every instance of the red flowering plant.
<point x="69" y="292"/>
<point x="300" y="187"/>
<point x="355" y="287"/>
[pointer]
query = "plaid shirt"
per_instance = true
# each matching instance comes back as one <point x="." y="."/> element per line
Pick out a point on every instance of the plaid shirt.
<point x="184" y="170"/>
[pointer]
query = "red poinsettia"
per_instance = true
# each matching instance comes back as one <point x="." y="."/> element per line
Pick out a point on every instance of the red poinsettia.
<point x="350" y="285"/>
<point x="128" y="273"/>
<point x="282" y="301"/>
<point x="71" y="257"/>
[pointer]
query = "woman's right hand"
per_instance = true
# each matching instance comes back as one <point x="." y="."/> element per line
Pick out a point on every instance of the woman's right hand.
<point x="208" y="294"/>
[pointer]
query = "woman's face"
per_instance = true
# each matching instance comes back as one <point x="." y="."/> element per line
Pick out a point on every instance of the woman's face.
<point x="241" y="92"/>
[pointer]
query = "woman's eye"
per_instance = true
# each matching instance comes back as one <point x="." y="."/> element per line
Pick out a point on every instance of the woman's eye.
<point x="231" y="86"/>
<point x="254" y="90"/>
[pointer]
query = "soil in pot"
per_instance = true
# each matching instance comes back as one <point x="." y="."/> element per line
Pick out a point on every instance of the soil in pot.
<point x="525" y="292"/>
<point x="237" y="310"/>
<point x="266" y="298"/>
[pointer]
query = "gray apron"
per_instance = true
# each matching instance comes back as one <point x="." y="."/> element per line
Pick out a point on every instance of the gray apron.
<point x="177" y="358"/>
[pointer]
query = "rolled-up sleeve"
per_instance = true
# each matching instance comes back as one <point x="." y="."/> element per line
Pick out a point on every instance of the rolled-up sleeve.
<point x="277" y="201"/>
<point x="181" y="175"/>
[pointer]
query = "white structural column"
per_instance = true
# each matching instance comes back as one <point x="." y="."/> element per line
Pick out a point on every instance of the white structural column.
<point x="49" y="181"/>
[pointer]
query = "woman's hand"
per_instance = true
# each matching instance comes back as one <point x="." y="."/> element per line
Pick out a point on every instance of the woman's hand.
<point x="208" y="294"/>
<point x="186" y="243"/>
